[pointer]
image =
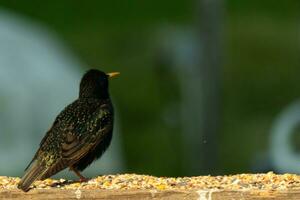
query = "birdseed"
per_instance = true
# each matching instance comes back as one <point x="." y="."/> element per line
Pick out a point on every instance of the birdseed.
<point x="269" y="181"/>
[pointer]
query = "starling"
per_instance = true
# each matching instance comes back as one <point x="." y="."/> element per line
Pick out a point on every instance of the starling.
<point x="79" y="135"/>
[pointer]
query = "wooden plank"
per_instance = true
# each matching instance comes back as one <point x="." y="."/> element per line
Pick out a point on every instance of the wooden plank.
<point x="132" y="186"/>
<point x="97" y="194"/>
<point x="150" y="194"/>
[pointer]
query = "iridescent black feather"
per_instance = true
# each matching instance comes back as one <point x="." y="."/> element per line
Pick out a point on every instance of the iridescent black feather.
<point x="79" y="135"/>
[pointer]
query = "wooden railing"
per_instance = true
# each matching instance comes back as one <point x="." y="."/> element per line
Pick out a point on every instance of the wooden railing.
<point x="130" y="186"/>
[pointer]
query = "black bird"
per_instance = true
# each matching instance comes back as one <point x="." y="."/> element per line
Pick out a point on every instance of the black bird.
<point x="79" y="135"/>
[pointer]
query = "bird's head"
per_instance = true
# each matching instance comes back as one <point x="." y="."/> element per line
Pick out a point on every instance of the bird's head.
<point x="94" y="84"/>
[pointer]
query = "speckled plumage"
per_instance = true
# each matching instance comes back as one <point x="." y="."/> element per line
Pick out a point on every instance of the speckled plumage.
<point x="79" y="135"/>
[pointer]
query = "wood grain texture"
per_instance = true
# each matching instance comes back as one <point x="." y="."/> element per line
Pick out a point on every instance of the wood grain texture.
<point x="97" y="194"/>
<point x="150" y="194"/>
<point x="267" y="186"/>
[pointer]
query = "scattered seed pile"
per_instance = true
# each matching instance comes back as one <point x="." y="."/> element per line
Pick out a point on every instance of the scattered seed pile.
<point x="269" y="181"/>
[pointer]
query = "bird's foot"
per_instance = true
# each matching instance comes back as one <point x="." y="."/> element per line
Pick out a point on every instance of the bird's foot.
<point x="81" y="178"/>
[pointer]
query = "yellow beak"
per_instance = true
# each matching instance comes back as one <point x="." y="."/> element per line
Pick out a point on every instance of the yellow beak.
<point x="112" y="74"/>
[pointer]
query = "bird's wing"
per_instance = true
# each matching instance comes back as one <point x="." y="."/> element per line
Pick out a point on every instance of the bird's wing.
<point x="81" y="138"/>
<point x="75" y="131"/>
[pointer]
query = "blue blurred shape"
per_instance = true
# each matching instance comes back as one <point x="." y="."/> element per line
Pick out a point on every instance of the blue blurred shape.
<point x="283" y="156"/>
<point x="38" y="78"/>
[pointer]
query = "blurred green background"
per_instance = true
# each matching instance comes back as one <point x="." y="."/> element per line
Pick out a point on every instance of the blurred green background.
<point x="259" y="72"/>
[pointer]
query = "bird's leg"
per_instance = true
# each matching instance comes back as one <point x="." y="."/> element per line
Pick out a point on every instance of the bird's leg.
<point x="81" y="178"/>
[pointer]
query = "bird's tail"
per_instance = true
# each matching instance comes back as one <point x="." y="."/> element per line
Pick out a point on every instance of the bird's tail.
<point x="34" y="172"/>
